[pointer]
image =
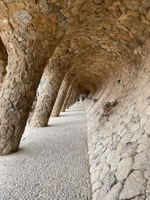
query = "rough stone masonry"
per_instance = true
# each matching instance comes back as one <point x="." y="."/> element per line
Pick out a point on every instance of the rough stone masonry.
<point x="104" y="46"/>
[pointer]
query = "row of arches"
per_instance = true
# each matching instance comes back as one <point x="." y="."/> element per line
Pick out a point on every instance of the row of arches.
<point x="86" y="48"/>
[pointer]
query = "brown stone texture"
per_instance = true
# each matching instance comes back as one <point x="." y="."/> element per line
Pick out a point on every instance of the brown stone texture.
<point x="65" y="103"/>
<point x="75" y="96"/>
<point x="61" y="96"/>
<point x="29" y="36"/>
<point x="120" y="139"/>
<point x="105" y="47"/>
<point x="71" y="98"/>
<point x="46" y="100"/>
<point x="53" y="75"/>
<point x="32" y="110"/>
<point x="3" y="62"/>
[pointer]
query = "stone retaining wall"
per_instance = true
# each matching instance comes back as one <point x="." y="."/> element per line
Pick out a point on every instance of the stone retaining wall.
<point x="119" y="138"/>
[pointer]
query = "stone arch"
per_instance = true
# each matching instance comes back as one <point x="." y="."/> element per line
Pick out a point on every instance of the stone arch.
<point x="31" y="38"/>
<point x="105" y="47"/>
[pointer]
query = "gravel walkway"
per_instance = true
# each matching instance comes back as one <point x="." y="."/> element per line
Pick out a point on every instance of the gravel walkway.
<point x="52" y="163"/>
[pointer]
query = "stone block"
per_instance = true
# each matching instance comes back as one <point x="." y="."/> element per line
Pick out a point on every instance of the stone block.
<point x="124" y="167"/>
<point x="134" y="186"/>
<point x="114" y="193"/>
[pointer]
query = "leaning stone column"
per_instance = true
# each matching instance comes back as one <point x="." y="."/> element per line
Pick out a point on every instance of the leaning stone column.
<point x="16" y="97"/>
<point x="30" y="38"/>
<point x="70" y="98"/>
<point x="47" y="98"/>
<point x="69" y="92"/>
<point x="61" y="96"/>
<point x="75" y="97"/>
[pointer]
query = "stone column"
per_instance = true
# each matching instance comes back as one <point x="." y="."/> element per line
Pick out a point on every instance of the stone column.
<point x="3" y="62"/>
<point x="70" y="98"/>
<point x="61" y="96"/>
<point x="75" y="97"/>
<point x="37" y="95"/>
<point x="64" y="106"/>
<point x="17" y="94"/>
<point x="30" y="37"/>
<point x="47" y="98"/>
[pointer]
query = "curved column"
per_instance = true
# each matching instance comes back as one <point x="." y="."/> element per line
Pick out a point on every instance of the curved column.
<point x="75" y="97"/>
<point x="61" y="96"/>
<point x="64" y="106"/>
<point x="47" y="98"/>
<point x="47" y="68"/>
<point x="30" y="37"/>
<point x="70" y="98"/>
<point x="17" y="94"/>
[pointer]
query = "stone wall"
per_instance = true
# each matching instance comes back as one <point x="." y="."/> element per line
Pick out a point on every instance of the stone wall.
<point x="119" y="137"/>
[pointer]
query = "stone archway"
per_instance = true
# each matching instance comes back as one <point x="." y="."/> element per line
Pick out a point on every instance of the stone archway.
<point x="106" y="46"/>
